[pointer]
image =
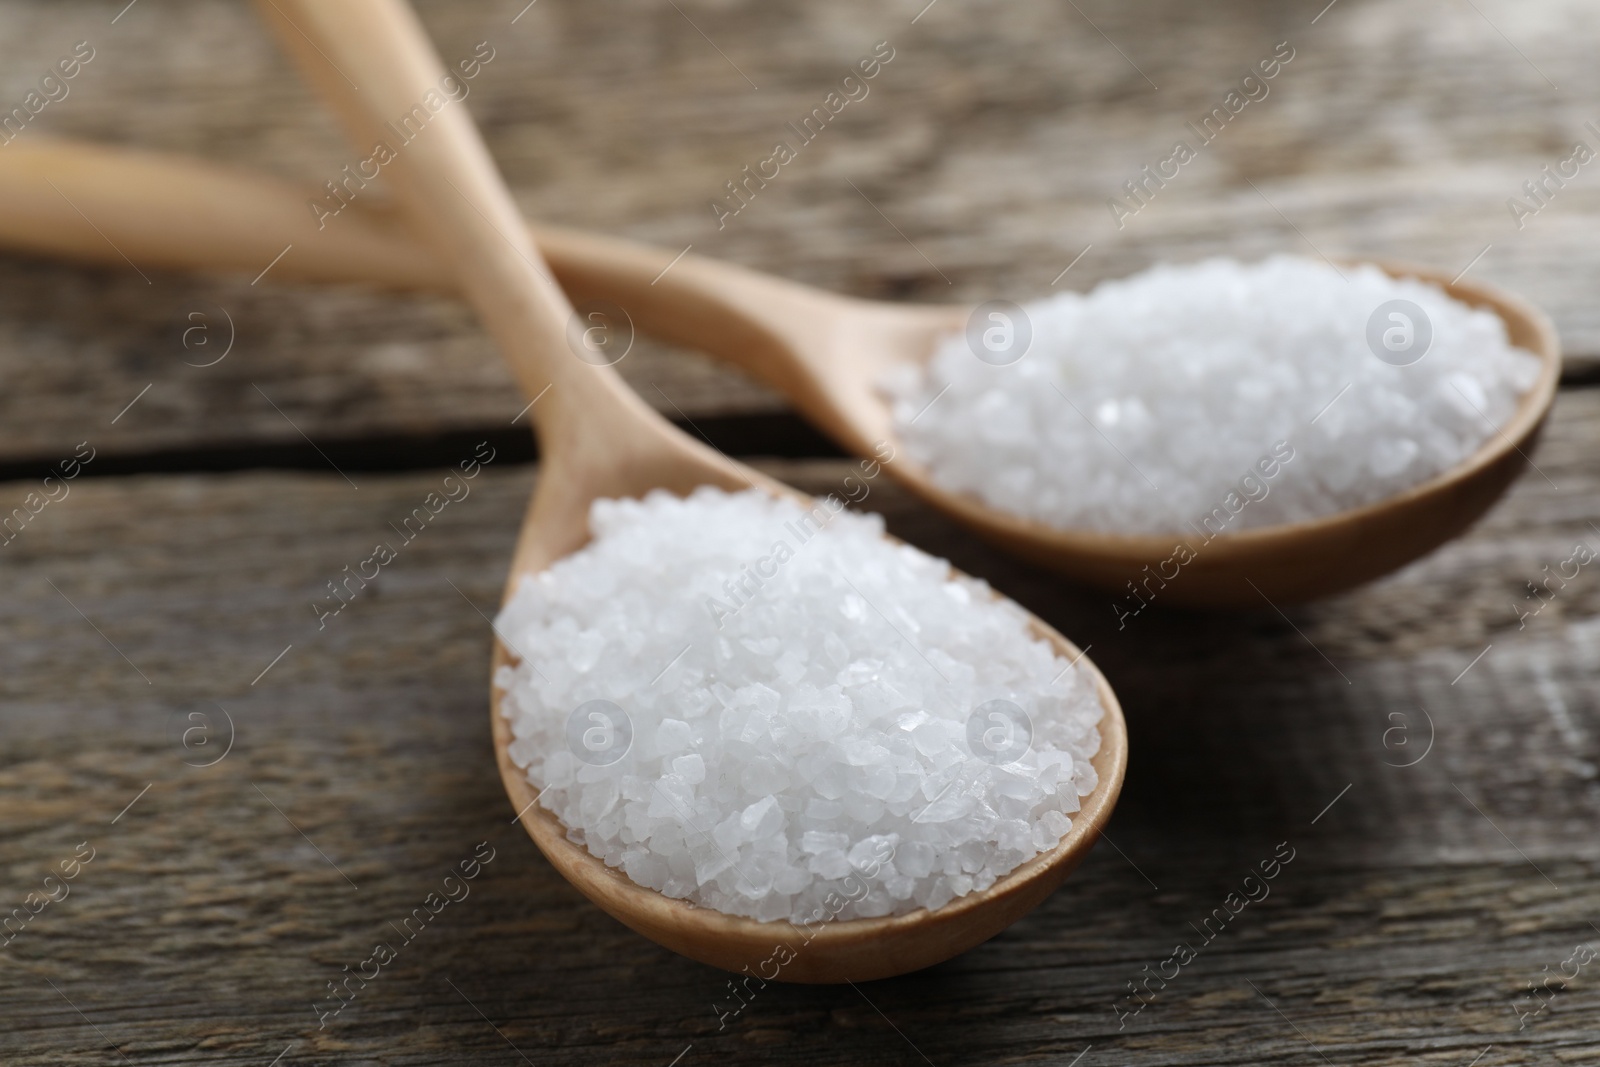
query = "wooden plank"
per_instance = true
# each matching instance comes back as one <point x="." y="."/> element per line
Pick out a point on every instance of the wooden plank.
<point x="1420" y="901"/>
<point x="983" y="159"/>
<point x="329" y="366"/>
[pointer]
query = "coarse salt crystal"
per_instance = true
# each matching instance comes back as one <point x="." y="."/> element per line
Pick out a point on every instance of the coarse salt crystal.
<point x="742" y="740"/>
<point x="1155" y="403"/>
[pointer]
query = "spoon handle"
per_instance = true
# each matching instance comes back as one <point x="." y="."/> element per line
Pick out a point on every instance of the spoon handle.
<point x="373" y="63"/>
<point x="173" y="212"/>
<point x="109" y="205"/>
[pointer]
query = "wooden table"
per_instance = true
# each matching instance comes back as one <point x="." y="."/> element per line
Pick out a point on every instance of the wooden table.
<point x="1430" y="760"/>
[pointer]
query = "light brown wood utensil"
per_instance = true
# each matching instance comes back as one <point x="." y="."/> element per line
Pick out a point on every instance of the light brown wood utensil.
<point x="823" y="351"/>
<point x="372" y="60"/>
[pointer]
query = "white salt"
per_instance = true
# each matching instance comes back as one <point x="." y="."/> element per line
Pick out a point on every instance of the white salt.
<point x="787" y="715"/>
<point x="1141" y="406"/>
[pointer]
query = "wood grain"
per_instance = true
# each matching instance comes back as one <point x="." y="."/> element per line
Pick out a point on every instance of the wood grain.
<point x="1401" y="932"/>
<point x="1420" y="903"/>
<point x="983" y="158"/>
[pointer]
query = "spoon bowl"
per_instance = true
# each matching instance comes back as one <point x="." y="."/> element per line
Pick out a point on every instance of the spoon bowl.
<point x="598" y="439"/>
<point x="827" y="353"/>
<point x="853" y="950"/>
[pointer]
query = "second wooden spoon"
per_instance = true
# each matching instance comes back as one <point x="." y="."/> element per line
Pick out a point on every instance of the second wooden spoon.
<point x="823" y="351"/>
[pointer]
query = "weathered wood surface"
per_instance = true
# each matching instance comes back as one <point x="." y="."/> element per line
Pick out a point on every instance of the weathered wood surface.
<point x="1421" y="902"/>
<point x="207" y="925"/>
<point x="990" y="143"/>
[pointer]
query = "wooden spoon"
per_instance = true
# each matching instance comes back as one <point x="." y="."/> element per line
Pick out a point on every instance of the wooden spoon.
<point x="825" y="352"/>
<point x="599" y="440"/>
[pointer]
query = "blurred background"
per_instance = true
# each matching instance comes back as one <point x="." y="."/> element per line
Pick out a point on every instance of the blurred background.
<point x="1439" y="870"/>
